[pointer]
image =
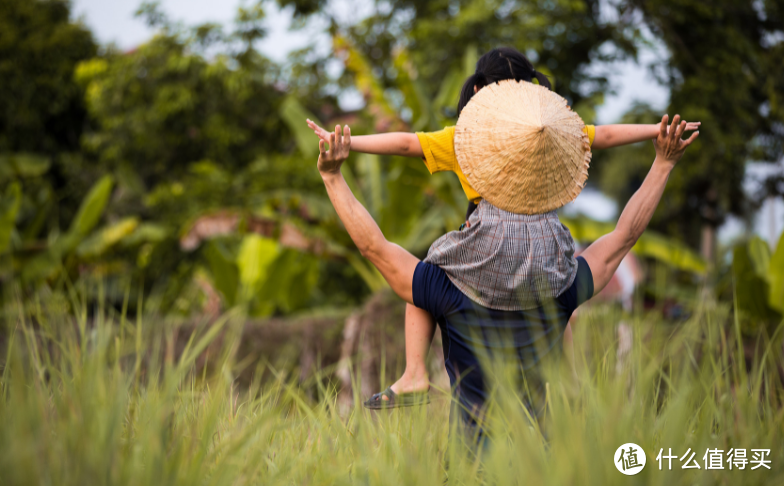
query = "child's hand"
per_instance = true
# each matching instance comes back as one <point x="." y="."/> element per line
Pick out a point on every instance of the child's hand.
<point x="320" y="132"/>
<point x="689" y="126"/>
<point x="329" y="162"/>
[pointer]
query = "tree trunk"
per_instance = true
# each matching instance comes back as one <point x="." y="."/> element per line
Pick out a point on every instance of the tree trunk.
<point x="343" y="371"/>
<point x="710" y="214"/>
<point x="708" y="243"/>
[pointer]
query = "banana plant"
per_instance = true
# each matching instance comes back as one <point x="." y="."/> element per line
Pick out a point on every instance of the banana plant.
<point x="429" y="115"/>
<point x="759" y="283"/>
<point x="259" y="275"/>
<point x="46" y="264"/>
<point x="8" y="211"/>
<point x="411" y="207"/>
<point x="82" y="242"/>
<point x="651" y="244"/>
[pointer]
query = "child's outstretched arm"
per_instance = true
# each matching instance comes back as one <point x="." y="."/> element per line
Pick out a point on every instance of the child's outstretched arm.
<point x="609" y="136"/>
<point x="394" y="143"/>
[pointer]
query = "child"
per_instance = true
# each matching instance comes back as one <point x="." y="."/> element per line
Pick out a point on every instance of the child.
<point x="437" y="151"/>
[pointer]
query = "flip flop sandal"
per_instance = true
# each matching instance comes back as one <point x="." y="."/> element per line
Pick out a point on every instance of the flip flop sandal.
<point x="377" y="402"/>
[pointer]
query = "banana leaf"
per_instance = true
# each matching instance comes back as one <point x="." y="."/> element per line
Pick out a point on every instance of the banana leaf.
<point x="776" y="277"/>
<point x="92" y="207"/>
<point x="255" y="256"/>
<point x="759" y="255"/>
<point x="650" y="244"/>
<point x="751" y="289"/>
<point x="48" y="263"/>
<point x="9" y="208"/>
<point x="22" y="165"/>
<point x="103" y="239"/>
<point x="146" y="233"/>
<point x="290" y="281"/>
<point x="669" y="251"/>
<point x="449" y="91"/>
<point x="422" y="115"/>
<point x="223" y="268"/>
<point x="294" y="114"/>
<point x="364" y="80"/>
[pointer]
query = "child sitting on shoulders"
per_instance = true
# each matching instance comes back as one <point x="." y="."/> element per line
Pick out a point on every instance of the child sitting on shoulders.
<point x="438" y="153"/>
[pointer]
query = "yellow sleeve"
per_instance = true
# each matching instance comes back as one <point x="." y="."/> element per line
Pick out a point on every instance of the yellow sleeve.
<point x="439" y="149"/>
<point x="590" y="130"/>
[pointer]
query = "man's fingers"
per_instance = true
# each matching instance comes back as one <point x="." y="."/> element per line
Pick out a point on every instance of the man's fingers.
<point x="673" y="127"/>
<point x="663" y="126"/>
<point x="680" y="130"/>
<point x="689" y="140"/>
<point x="347" y="136"/>
<point x="322" y="147"/>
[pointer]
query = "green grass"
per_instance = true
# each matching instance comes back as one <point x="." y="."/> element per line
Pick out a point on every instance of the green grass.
<point x="101" y="400"/>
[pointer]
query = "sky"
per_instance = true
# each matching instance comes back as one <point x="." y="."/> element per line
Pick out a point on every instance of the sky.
<point x="113" y="21"/>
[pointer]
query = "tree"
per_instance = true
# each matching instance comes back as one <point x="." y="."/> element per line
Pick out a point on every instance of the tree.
<point x="41" y="108"/>
<point x="726" y="69"/>
<point x="42" y="117"/>
<point x="163" y="106"/>
<point x="561" y="37"/>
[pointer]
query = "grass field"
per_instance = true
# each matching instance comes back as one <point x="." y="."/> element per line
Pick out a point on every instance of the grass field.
<point x="101" y="400"/>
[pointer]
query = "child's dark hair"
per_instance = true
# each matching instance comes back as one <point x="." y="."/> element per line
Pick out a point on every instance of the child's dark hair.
<point x="497" y="65"/>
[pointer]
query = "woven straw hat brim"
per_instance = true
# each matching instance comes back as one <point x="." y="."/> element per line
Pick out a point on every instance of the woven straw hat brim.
<point x="522" y="148"/>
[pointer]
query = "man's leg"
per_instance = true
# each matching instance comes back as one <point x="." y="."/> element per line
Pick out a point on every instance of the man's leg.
<point x="420" y="328"/>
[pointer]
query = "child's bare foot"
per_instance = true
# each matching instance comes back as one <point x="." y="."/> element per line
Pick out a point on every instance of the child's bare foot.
<point x="411" y="389"/>
<point x="412" y="383"/>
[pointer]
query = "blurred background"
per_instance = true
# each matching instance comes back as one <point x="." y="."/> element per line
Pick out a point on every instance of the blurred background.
<point x="160" y="149"/>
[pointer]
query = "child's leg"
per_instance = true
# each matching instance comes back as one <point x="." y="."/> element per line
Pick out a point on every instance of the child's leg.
<point x="420" y="327"/>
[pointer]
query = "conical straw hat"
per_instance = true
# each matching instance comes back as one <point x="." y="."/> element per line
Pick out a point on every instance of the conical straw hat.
<point x="522" y="148"/>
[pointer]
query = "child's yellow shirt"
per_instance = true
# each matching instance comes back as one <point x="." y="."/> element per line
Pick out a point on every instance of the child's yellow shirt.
<point x="439" y="154"/>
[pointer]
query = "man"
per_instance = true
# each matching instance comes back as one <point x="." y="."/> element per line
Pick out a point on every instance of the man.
<point x="469" y="329"/>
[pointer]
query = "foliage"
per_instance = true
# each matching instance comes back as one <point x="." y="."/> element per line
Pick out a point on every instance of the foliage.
<point x="561" y="37"/>
<point x="162" y="107"/>
<point x="46" y="263"/>
<point x="202" y="171"/>
<point x="10" y="206"/>
<point x="41" y="108"/>
<point x="758" y="279"/>
<point x="725" y="69"/>
<point x="105" y="399"/>
<point x="651" y="244"/>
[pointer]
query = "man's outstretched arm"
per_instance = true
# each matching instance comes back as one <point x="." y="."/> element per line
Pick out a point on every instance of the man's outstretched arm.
<point x="606" y="253"/>
<point x="395" y="264"/>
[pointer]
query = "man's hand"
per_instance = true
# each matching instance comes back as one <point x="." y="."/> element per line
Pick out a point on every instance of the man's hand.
<point x="329" y="162"/>
<point x="669" y="146"/>
<point x="606" y="253"/>
<point x="320" y="132"/>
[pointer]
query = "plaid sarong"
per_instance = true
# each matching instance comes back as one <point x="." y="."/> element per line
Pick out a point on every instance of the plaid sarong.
<point x="508" y="261"/>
